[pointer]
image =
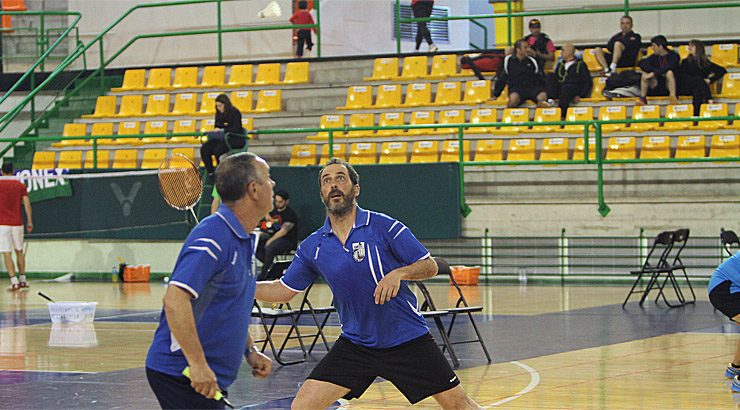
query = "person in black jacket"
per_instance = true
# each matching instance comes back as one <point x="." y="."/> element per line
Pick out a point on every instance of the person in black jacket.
<point x="524" y="76"/>
<point x="228" y="123"/>
<point x="696" y="73"/>
<point x="542" y="47"/>
<point x="571" y="80"/>
<point x="659" y="71"/>
<point x="622" y="50"/>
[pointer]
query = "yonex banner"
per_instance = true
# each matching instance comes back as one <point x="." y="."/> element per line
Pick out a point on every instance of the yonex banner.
<point x="52" y="185"/>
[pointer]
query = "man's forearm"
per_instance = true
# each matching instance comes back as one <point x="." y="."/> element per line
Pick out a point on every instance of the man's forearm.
<point x="179" y="312"/>
<point x="419" y="270"/>
<point x="273" y="291"/>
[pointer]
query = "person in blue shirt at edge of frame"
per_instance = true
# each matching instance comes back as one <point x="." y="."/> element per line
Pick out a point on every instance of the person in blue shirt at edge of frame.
<point x="724" y="293"/>
<point x="366" y="257"/>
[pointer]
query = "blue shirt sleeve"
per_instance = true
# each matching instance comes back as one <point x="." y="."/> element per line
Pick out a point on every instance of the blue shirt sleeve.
<point x="301" y="273"/>
<point x="403" y="244"/>
<point x="201" y="257"/>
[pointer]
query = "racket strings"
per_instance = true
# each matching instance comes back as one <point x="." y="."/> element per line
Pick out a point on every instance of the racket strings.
<point x="179" y="182"/>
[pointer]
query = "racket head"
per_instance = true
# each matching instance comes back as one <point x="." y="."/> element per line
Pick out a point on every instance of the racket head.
<point x="180" y="182"/>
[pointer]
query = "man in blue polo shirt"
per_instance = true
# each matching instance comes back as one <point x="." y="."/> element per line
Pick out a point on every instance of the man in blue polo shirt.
<point x="205" y="318"/>
<point x="724" y="293"/>
<point x="366" y="257"/>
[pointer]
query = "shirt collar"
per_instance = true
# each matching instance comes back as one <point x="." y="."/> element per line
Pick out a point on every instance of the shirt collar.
<point x="225" y="213"/>
<point x="361" y="219"/>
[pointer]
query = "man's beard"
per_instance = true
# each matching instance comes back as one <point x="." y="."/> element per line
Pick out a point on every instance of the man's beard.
<point x="342" y="208"/>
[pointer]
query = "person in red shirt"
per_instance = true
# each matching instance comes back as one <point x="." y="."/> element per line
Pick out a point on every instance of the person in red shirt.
<point x="12" y="194"/>
<point x="302" y="16"/>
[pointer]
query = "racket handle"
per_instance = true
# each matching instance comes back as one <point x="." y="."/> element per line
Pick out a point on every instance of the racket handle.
<point x="194" y="216"/>
<point x="186" y="373"/>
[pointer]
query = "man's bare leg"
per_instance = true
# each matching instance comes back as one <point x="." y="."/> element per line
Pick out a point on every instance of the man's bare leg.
<point x="316" y="394"/>
<point x="455" y="398"/>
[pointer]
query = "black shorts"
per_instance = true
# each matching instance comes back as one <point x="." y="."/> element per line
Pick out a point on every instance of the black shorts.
<point x="726" y="302"/>
<point x="526" y="93"/>
<point x="628" y="59"/>
<point x="176" y="393"/>
<point x="661" y="89"/>
<point x="417" y="368"/>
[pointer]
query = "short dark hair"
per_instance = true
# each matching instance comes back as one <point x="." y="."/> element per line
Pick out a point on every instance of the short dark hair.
<point x="283" y="194"/>
<point x="628" y="17"/>
<point x="659" y="40"/>
<point x="7" y="167"/>
<point x="234" y="174"/>
<point x="354" y="177"/>
<point x="519" y="43"/>
<point x="303" y="4"/>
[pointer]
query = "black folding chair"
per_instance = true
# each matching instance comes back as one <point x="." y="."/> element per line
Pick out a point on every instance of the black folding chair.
<point x="272" y="315"/>
<point x="429" y="311"/>
<point x="729" y="240"/>
<point x="680" y="236"/>
<point x="314" y="312"/>
<point x="655" y="264"/>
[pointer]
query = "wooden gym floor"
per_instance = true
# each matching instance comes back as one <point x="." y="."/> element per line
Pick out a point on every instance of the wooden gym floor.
<point x="552" y="347"/>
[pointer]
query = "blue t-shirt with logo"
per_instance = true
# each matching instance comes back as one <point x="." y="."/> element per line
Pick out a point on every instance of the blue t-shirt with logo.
<point x="728" y="270"/>
<point x="215" y="266"/>
<point x="376" y="245"/>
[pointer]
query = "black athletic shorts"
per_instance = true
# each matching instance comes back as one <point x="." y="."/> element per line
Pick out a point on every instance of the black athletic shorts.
<point x="526" y="93"/>
<point x="726" y="302"/>
<point x="661" y="89"/>
<point x="417" y="368"/>
<point x="176" y="392"/>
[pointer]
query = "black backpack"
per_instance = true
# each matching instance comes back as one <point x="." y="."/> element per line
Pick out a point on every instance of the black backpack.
<point x="627" y="78"/>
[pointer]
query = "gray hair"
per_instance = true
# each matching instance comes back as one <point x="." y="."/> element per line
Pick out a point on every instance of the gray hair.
<point x="234" y="174"/>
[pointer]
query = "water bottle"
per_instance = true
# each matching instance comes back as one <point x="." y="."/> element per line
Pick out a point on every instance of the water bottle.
<point x="522" y="276"/>
<point x="114" y="274"/>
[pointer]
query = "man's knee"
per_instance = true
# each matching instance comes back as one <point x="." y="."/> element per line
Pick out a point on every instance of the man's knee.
<point x="670" y="76"/>
<point x="618" y="46"/>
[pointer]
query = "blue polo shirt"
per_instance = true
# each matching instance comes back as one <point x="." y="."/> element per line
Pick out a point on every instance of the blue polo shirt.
<point x="376" y="245"/>
<point x="728" y="270"/>
<point x="215" y="265"/>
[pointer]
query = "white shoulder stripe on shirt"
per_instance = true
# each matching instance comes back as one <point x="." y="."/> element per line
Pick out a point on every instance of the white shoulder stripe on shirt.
<point x="205" y="249"/>
<point x="393" y="226"/>
<point x="399" y="232"/>
<point x="211" y="241"/>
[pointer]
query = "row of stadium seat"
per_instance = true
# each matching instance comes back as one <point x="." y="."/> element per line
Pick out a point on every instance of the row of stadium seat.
<point x="213" y="77"/>
<point x="523" y="149"/>
<point x="519" y="115"/>
<point x="185" y="104"/>
<point x="419" y="94"/>
<point x="122" y="158"/>
<point x="134" y="127"/>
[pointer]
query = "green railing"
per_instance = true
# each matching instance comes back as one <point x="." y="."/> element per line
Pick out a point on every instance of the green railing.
<point x="42" y="33"/>
<point x="627" y="9"/>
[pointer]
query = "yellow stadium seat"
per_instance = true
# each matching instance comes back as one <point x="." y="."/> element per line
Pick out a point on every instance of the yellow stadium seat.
<point x="248" y="123"/>
<point x="296" y="73"/>
<point x="578" y="114"/>
<point x="546" y="115"/>
<point x="555" y="149"/>
<point x="213" y="76"/>
<point x="128" y="128"/>
<point x="133" y="80"/>
<point x="482" y="116"/>
<point x="185" y="77"/>
<point x="424" y="152"/>
<point x="390" y="119"/>
<point x="208" y="103"/>
<point x="72" y="130"/>
<point x="389" y="96"/>
<point x="489" y="150"/>
<point x="188" y="153"/>
<point x="155" y="127"/>
<point x="443" y="66"/>
<point x="677" y="111"/>
<point x="621" y="148"/>
<point x="185" y="104"/>
<point x="207" y="125"/>
<point x="710" y="111"/>
<point x="268" y="74"/>
<point x="414" y="67"/>
<point x="242" y="100"/>
<point x="384" y="69"/>
<point x="340" y="151"/>
<point x="611" y="113"/>
<point x="363" y="153"/>
<point x="269" y="101"/>
<point x="655" y="147"/>
<point x="153" y="157"/>
<point x="182" y="127"/>
<point x="724" y="146"/>
<point x="643" y="113"/>
<point x="477" y="92"/>
<point x="450" y="117"/>
<point x="730" y="86"/>
<point x="302" y="154"/>
<point x="448" y="93"/>
<point x="44" y="160"/>
<point x="159" y="78"/>
<point x="125" y="159"/>
<point x="393" y="153"/>
<point x="596" y="90"/>
<point x="451" y="151"/>
<point x="157" y="105"/>
<point x="241" y="74"/>
<point x="580" y="149"/>
<point x="419" y="94"/>
<point x="131" y="106"/>
<point x="329" y="121"/>
<point x="522" y="149"/>
<point x="421" y="118"/>
<point x="358" y="97"/>
<point x="105" y="106"/>
<point x="512" y="116"/>
<point x="361" y="120"/>
<point x="100" y="129"/>
<point x="691" y="146"/>
<point x="103" y="157"/>
<point x="725" y="55"/>
<point x="70" y="159"/>
<point x="589" y="57"/>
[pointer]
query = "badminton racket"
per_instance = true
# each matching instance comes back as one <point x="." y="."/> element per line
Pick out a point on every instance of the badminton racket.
<point x="180" y="183"/>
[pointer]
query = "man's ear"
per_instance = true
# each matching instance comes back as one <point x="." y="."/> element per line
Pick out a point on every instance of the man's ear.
<point x="357" y="192"/>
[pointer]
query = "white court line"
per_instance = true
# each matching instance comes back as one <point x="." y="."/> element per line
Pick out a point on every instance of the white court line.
<point x="533" y="382"/>
<point x="128" y="314"/>
<point x="45" y="371"/>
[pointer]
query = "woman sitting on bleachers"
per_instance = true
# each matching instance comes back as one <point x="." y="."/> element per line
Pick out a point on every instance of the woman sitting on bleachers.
<point x="696" y="73"/>
<point x="228" y="123"/>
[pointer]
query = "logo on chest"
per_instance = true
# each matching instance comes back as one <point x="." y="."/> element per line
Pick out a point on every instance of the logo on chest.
<point x="358" y="251"/>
